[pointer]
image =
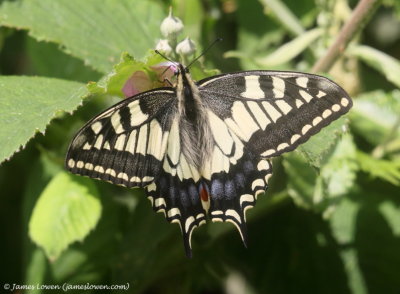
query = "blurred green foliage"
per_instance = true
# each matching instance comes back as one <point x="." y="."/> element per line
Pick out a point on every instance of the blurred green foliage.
<point x="330" y="221"/>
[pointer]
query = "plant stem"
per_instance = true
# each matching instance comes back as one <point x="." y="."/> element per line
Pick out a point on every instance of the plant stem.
<point x="360" y="16"/>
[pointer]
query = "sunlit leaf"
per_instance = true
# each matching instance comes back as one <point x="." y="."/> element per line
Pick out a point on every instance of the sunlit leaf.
<point x="28" y="104"/>
<point x="380" y="168"/>
<point x="94" y="32"/>
<point x="339" y="170"/>
<point x="317" y="148"/>
<point x="66" y="211"/>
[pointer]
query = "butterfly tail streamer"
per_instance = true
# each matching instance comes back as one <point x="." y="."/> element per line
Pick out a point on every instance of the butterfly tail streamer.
<point x="179" y="200"/>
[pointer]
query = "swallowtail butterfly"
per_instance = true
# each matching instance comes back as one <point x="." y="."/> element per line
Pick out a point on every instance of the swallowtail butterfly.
<point x="202" y="149"/>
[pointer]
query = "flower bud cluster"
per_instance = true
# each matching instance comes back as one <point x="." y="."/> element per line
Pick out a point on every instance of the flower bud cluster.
<point x="140" y="80"/>
<point x="171" y="27"/>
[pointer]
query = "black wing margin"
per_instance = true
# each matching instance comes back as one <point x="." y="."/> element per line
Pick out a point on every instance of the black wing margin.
<point x="125" y="144"/>
<point x="273" y="112"/>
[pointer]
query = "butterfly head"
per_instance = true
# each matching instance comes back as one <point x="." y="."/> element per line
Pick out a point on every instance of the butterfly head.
<point x="181" y="69"/>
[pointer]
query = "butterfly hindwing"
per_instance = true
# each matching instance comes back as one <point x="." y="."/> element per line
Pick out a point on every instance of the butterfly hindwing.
<point x="179" y="200"/>
<point x="233" y="192"/>
<point x="233" y="176"/>
<point x="274" y="112"/>
<point x="125" y="144"/>
<point x="177" y="190"/>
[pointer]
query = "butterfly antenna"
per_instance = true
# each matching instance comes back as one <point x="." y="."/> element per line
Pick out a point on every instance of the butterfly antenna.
<point x="165" y="57"/>
<point x="205" y="51"/>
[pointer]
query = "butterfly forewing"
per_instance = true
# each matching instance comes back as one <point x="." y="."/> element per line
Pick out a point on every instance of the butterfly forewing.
<point x="274" y="112"/>
<point x="125" y="144"/>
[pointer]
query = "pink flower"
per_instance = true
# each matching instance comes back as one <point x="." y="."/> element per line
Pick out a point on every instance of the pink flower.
<point x="137" y="83"/>
<point x="140" y="81"/>
<point x="165" y="71"/>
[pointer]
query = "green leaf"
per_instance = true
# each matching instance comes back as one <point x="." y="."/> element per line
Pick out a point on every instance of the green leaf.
<point x="41" y="172"/>
<point x="284" y="15"/>
<point x="343" y="221"/>
<point x="198" y="71"/>
<point x="260" y="34"/>
<point x="128" y="65"/>
<point x="46" y="59"/>
<point x="255" y="33"/>
<point x="380" y="168"/>
<point x="302" y="179"/>
<point x="363" y="226"/>
<point x="387" y="65"/>
<point x="80" y="262"/>
<point x="391" y="212"/>
<point x="114" y="82"/>
<point x="344" y="229"/>
<point x="94" y="32"/>
<point x="27" y="105"/>
<point x="290" y="50"/>
<point x="90" y="261"/>
<point x="375" y="116"/>
<point x="318" y="147"/>
<point x="322" y="191"/>
<point x="338" y="174"/>
<point x="66" y="211"/>
<point x="339" y="170"/>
